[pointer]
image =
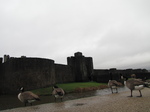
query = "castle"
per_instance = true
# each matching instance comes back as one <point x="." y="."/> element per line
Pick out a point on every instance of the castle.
<point x="33" y="73"/>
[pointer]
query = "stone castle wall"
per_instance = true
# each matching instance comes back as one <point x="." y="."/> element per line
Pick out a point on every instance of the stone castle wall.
<point x="64" y="74"/>
<point x="33" y="73"/>
<point x="104" y="75"/>
<point x="30" y="73"/>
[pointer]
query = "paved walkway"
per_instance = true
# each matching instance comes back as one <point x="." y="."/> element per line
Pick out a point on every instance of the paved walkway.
<point x="108" y="103"/>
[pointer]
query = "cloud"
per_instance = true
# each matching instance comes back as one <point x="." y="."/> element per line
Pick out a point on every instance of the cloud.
<point x="115" y="33"/>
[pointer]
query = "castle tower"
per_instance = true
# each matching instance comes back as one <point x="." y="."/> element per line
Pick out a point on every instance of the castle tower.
<point x="82" y="66"/>
<point x="6" y="58"/>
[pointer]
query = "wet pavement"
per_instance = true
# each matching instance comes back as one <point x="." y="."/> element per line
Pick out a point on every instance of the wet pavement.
<point x="117" y="102"/>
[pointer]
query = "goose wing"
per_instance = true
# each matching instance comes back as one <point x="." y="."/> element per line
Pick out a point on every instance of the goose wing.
<point x="30" y="96"/>
<point x="135" y="82"/>
<point x="58" y="91"/>
<point x="138" y="82"/>
<point x="114" y="82"/>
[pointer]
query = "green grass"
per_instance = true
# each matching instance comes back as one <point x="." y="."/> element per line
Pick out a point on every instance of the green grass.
<point x="68" y="87"/>
<point x="43" y="91"/>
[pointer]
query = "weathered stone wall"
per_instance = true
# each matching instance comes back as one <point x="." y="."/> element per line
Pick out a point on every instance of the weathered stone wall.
<point x="1" y="77"/>
<point x="1" y="60"/>
<point x="101" y="75"/>
<point x="35" y="73"/>
<point x="64" y="74"/>
<point x="6" y="57"/>
<point x="89" y="65"/>
<point x="81" y="69"/>
<point x="104" y="75"/>
<point x="31" y="73"/>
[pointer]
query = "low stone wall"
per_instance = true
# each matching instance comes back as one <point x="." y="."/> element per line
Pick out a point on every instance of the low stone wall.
<point x="104" y="75"/>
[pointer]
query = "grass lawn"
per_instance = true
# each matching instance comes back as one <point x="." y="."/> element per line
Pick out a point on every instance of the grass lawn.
<point x="68" y="87"/>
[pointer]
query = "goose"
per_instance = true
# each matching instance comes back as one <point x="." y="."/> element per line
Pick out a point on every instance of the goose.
<point x="58" y="92"/>
<point x="27" y="96"/>
<point x="135" y="84"/>
<point x="113" y="84"/>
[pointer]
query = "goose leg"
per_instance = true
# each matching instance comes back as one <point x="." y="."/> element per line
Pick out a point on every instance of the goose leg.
<point x="24" y="104"/>
<point x="55" y="99"/>
<point x="116" y="90"/>
<point x="112" y="90"/>
<point x="131" y="94"/>
<point x="140" y="93"/>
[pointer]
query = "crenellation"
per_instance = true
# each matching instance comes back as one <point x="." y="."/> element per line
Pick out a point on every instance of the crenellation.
<point x="6" y="58"/>
<point x="78" y="54"/>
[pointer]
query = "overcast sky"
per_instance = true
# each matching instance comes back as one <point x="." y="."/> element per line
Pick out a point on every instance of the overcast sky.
<point x="116" y="33"/>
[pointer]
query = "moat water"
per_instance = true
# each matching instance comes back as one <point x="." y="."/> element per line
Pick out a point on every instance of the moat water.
<point x="11" y="101"/>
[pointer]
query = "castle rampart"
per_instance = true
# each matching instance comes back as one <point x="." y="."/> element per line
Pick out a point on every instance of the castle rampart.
<point x="33" y="73"/>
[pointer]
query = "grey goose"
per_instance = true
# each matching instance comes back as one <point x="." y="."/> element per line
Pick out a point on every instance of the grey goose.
<point x="113" y="84"/>
<point x="58" y="93"/>
<point x="27" y="96"/>
<point x="135" y="84"/>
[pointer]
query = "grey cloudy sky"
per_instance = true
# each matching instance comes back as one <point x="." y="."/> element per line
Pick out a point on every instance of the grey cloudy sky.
<point x="116" y="33"/>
